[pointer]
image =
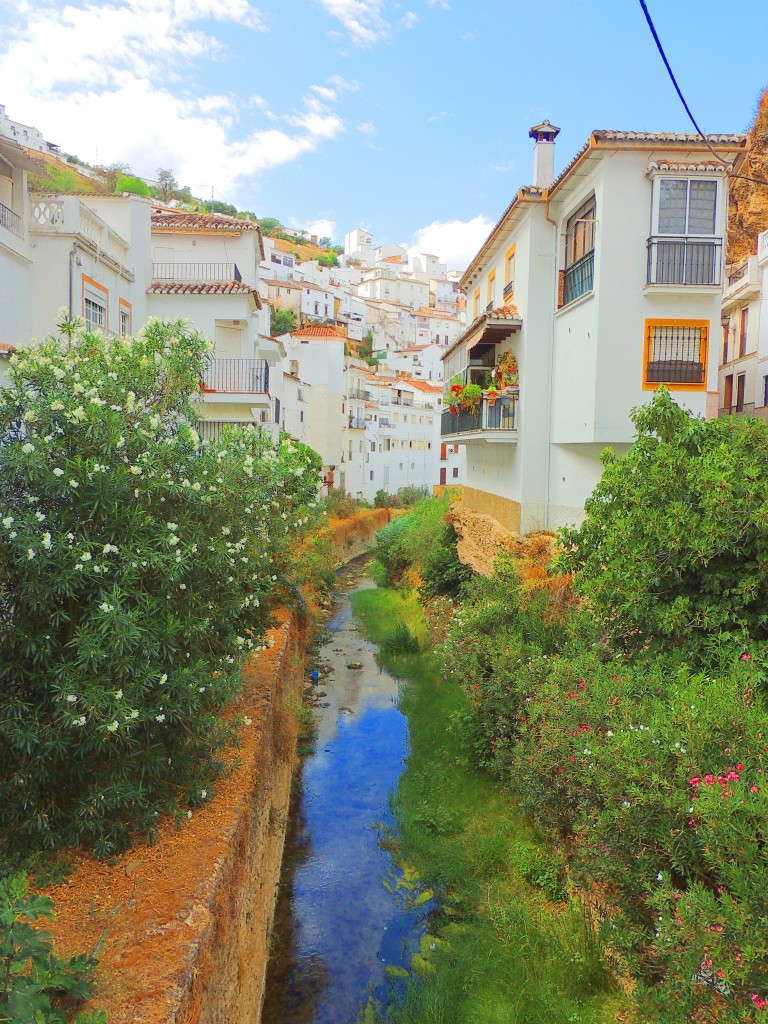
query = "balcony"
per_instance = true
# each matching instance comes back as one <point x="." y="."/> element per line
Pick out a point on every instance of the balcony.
<point x="225" y="377"/>
<point x="356" y="423"/>
<point x="497" y="422"/>
<point x="211" y="273"/>
<point x="579" y="278"/>
<point x="360" y="396"/>
<point x="11" y="221"/>
<point x="684" y="261"/>
<point x="67" y="215"/>
<point x="743" y="283"/>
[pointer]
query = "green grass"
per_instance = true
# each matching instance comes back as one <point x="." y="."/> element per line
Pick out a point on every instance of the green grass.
<point x="510" y="955"/>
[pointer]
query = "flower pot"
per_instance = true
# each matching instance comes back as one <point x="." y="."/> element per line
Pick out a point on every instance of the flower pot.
<point x="492" y="397"/>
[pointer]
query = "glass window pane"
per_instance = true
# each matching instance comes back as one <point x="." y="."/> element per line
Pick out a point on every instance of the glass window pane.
<point x="672" y="202"/>
<point x="701" y="211"/>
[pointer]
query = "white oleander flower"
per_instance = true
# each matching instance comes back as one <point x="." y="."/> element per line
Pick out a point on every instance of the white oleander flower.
<point x="71" y="698"/>
<point x="85" y="556"/>
<point x="8" y="522"/>
<point x="160" y="718"/>
<point x="113" y="726"/>
<point x="30" y="554"/>
<point x="58" y="472"/>
<point x="46" y="541"/>
<point x="28" y="448"/>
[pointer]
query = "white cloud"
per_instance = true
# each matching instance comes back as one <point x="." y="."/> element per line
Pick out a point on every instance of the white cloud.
<point x="362" y="19"/>
<point x="410" y="19"/>
<point x="368" y="128"/>
<point x="323" y="228"/>
<point x="114" y="82"/>
<point x="506" y="168"/>
<point x="454" y="241"/>
<point x="439" y="3"/>
<point x="444" y="115"/>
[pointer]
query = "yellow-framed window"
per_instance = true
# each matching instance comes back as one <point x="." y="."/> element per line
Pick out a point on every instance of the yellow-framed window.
<point x="475" y="303"/>
<point x="675" y="354"/>
<point x="490" y="291"/>
<point x="509" y="275"/>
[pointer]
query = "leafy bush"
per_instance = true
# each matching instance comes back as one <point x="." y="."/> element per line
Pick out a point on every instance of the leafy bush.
<point x="34" y="982"/>
<point x="130" y="183"/>
<point x="404" y="542"/>
<point x="674" y="545"/>
<point x="400" y="641"/>
<point x="136" y="570"/>
<point x="341" y="505"/>
<point x="441" y="570"/>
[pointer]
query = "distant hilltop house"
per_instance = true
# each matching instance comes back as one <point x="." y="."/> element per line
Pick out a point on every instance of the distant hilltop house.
<point x="24" y="134"/>
<point x="596" y="287"/>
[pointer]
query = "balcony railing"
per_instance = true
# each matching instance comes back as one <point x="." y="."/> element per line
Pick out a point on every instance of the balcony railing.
<point x="684" y="261"/>
<point x="502" y="415"/>
<point x="215" y="273"/>
<point x="237" y="376"/>
<point x="509" y="289"/>
<point x="356" y="423"/>
<point x="738" y="273"/>
<point x="359" y="395"/>
<point x="579" y="278"/>
<point x="10" y="221"/>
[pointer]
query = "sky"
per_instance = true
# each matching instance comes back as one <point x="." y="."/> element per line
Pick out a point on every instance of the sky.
<point x="408" y="118"/>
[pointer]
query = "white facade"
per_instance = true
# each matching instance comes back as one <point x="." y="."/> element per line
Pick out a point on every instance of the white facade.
<point x="422" y="362"/>
<point x="743" y="377"/>
<point x="387" y="283"/>
<point x="316" y="303"/>
<point x="24" y="134"/>
<point x="358" y="248"/>
<point x="17" y="294"/>
<point x="603" y="285"/>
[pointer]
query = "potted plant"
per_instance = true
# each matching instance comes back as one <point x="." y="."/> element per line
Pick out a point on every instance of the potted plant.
<point x="493" y="394"/>
<point x="454" y="397"/>
<point x="505" y="373"/>
<point x="470" y="397"/>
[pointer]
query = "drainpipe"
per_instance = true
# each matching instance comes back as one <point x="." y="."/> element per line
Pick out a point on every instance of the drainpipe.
<point x="72" y="254"/>
<point x="551" y="378"/>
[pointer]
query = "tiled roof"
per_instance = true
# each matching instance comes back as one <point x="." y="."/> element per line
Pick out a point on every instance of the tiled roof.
<point x="413" y="348"/>
<point x="710" y="166"/>
<point x="6" y="349"/>
<point x="317" y="331"/>
<point x="294" y="285"/>
<point x="607" y="139"/>
<point x="439" y="314"/>
<point x="203" y="288"/>
<point x="502" y="313"/>
<point x="177" y="220"/>
<point x="423" y="385"/>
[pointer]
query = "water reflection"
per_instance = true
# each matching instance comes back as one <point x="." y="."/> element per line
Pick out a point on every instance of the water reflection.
<point x="337" y="924"/>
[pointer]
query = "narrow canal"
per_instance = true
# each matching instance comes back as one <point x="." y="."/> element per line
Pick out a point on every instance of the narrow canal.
<point x="343" y="922"/>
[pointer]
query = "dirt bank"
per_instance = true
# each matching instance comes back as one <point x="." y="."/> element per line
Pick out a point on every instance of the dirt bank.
<point x="188" y="918"/>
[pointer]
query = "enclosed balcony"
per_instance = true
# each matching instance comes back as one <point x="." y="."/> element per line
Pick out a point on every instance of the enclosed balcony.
<point x="742" y="283"/>
<point x="493" y="421"/>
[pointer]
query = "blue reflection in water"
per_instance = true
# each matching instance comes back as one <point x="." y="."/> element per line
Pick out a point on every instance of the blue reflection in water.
<point x="340" y="925"/>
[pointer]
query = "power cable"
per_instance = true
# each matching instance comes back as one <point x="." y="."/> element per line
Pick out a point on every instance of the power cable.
<point x="660" y="48"/>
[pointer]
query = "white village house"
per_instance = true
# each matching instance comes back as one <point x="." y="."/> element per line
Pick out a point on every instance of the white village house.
<point x="601" y="284"/>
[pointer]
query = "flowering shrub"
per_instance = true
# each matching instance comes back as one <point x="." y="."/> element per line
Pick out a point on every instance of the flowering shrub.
<point x="136" y="570"/>
<point x="695" y="565"/>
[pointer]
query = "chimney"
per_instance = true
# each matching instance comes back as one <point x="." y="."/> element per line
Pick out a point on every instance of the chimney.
<point x="544" y="136"/>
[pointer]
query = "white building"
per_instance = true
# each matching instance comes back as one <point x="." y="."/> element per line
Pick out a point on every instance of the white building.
<point x="205" y="268"/>
<point x="603" y="284"/>
<point x="743" y="376"/>
<point x="388" y="282"/>
<point x="358" y="248"/>
<point x="17" y="294"/>
<point x="421" y="362"/>
<point x="24" y="134"/>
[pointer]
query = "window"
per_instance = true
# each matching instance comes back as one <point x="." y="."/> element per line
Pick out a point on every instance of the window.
<point x="743" y="317"/>
<point x="509" y="275"/>
<point x="95" y="302"/>
<point x="726" y="337"/>
<point x="765" y="390"/>
<point x="371" y="474"/>
<point x="490" y="294"/>
<point x="125" y="310"/>
<point x="578" y="275"/>
<point x="679" y="251"/>
<point x="455" y="472"/>
<point x="475" y="303"/>
<point x="676" y="354"/>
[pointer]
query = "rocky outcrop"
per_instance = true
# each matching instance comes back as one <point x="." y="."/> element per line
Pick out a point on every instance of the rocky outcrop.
<point x="481" y="538"/>
<point x="748" y="210"/>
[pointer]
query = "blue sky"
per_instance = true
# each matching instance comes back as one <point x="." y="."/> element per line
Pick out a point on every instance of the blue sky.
<point x="408" y="118"/>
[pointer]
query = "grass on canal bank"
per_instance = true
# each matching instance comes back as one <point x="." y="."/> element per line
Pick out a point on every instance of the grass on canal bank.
<point x="510" y="947"/>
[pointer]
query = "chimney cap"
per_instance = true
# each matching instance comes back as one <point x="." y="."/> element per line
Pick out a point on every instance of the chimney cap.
<point x="544" y="132"/>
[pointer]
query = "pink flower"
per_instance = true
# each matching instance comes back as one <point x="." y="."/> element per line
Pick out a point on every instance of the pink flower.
<point x="695" y="780"/>
<point x="709" y="779"/>
<point x="746" y="657"/>
<point x="754" y="789"/>
<point x="571" y="693"/>
<point x="739" y="767"/>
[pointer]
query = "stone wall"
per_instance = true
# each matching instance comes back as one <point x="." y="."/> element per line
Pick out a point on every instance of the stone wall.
<point x="481" y="536"/>
<point x="186" y="921"/>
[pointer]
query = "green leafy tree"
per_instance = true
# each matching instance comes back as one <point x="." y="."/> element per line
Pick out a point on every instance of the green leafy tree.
<point x="674" y="545"/>
<point x="130" y="183"/>
<point x="269" y="225"/>
<point x="167" y="185"/>
<point x="282" y="321"/>
<point x="136" y="571"/>
<point x="330" y="259"/>
<point x="217" y="206"/>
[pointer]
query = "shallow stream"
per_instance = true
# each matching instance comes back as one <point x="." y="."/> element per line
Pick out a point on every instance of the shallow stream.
<point x="344" y="912"/>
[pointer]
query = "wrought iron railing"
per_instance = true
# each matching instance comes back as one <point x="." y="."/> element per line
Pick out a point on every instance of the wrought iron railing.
<point x="501" y="415"/>
<point x="209" y="272"/>
<point x="356" y="423"/>
<point x="579" y="278"/>
<point x="360" y="395"/>
<point x="237" y="376"/>
<point x="686" y="261"/>
<point x="212" y="430"/>
<point x="10" y="221"/>
<point x="509" y="289"/>
<point x="738" y="273"/>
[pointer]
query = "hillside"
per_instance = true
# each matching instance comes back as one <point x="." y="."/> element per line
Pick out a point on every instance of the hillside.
<point x="748" y="213"/>
<point x="303" y="250"/>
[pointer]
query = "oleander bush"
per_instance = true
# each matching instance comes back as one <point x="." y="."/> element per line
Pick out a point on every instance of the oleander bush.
<point x="137" y="567"/>
<point x="633" y="728"/>
<point x="423" y="541"/>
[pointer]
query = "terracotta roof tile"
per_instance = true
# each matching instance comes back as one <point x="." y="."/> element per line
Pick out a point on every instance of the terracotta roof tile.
<point x="178" y="220"/>
<point x="6" y="349"/>
<point x="425" y="386"/>
<point x="203" y="288"/>
<point x="317" y="331"/>
<point x="439" y="314"/>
